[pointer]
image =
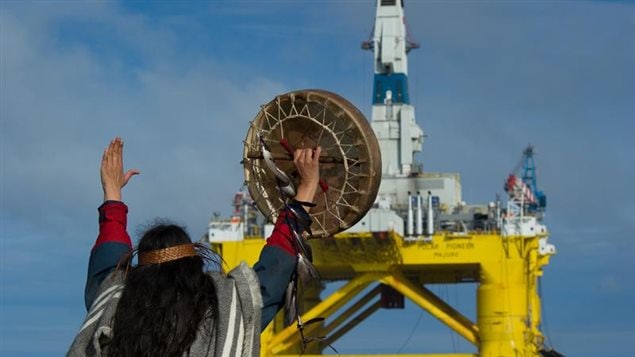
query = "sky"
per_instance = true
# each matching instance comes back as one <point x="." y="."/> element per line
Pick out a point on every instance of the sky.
<point x="180" y="81"/>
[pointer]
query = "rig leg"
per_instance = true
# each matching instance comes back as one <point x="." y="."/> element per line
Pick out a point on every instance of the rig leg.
<point x="502" y="307"/>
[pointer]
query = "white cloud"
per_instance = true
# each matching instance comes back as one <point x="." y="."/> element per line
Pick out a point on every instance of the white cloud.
<point x="181" y="118"/>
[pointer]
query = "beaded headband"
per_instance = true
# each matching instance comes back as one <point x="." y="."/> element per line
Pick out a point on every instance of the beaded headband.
<point x="169" y="254"/>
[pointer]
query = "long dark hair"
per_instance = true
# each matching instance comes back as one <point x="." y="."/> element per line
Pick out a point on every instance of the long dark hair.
<point x="162" y="305"/>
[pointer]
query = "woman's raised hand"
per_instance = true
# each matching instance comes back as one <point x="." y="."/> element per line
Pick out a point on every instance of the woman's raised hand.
<point x="113" y="179"/>
<point x="307" y="161"/>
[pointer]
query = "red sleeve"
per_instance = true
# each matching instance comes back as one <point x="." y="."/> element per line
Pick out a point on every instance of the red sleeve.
<point x="112" y="224"/>
<point x="281" y="236"/>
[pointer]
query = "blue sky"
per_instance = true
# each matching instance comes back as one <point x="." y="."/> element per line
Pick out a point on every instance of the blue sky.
<point x="180" y="81"/>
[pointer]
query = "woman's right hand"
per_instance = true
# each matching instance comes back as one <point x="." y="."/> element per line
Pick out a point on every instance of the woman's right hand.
<point x="113" y="179"/>
<point x="307" y="161"/>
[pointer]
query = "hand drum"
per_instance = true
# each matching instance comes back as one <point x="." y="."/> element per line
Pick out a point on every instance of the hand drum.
<point x="350" y="163"/>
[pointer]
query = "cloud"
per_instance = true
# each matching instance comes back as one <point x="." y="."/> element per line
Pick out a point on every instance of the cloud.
<point x="611" y="284"/>
<point x="180" y="117"/>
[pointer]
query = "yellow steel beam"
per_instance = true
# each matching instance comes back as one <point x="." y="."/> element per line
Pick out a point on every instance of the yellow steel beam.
<point x="460" y="318"/>
<point x="450" y="317"/>
<point x="353" y="323"/>
<point x="394" y="355"/>
<point x="351" y="310"/>
<point x="288" y="336"/>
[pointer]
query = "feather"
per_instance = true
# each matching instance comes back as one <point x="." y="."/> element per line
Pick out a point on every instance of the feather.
<point x="306" y="271"/>
<point x="290" y="302"/>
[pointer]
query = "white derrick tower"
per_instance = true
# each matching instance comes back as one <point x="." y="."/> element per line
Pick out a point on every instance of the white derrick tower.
<point x="393" y="118"/>
<point x="404" y="187"/>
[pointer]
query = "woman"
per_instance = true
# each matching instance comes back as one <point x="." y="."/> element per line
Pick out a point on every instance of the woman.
<point x="167" y="305"/>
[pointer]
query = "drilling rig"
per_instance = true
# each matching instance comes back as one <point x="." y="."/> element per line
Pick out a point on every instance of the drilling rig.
<point x="418" y="233"/>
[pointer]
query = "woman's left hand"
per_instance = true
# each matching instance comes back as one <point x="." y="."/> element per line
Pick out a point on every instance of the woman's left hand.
<point x="113" y="179"/>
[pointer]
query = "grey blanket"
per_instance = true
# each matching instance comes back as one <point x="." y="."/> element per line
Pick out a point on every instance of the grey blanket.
<point x="236" y="332"/>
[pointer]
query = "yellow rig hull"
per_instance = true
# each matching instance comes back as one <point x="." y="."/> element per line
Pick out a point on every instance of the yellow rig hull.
<point x="505" y="268"/>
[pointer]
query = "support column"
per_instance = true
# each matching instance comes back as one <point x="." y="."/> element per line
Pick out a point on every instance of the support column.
<point x="502" y="307"/>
